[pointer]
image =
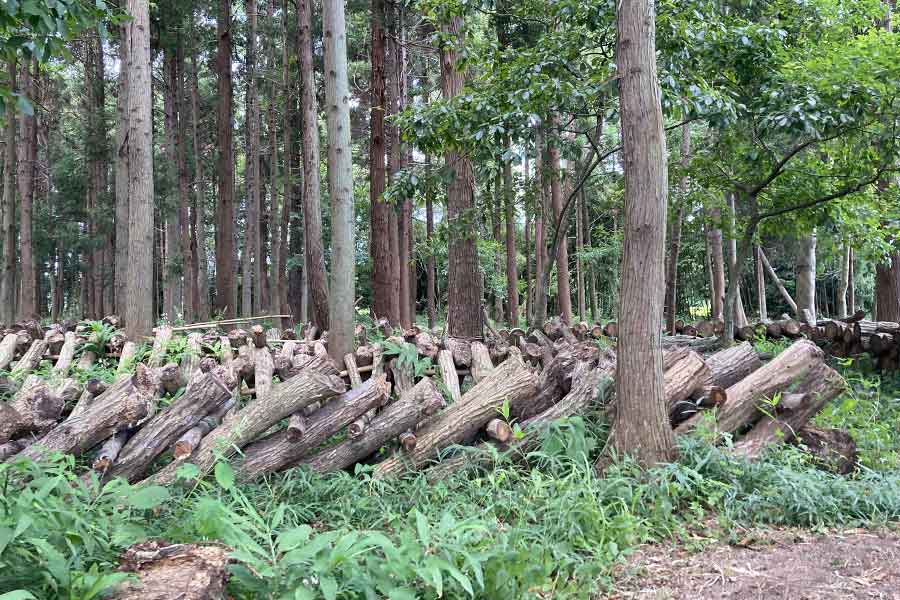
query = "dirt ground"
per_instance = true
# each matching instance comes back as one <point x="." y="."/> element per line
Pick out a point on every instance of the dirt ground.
<point x="795" y="565"/>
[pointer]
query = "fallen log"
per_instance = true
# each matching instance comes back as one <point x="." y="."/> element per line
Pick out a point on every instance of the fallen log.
<point x="34" y="409"/>
<point x="733" y="364"/>
<point x="183" y="571"/>
<point x="66" y="353"/>
<point x="286" y="398"/>
<point x="461" y="351"/>
<point x="415" y="405"/>
<point x="171" y="378"/>
<point x="8" y="350"/>
<point x="832" y="449"/>
<point x="188" y="442"/>
<point x="685" y="377"/>
<point x="110" y="450"/>
<point x="820" y="385"/>
<point x="481" y="361"/>
<point x="797" y="363"/>
<point x="127" y="403"/>
<point x="282" y="449"/>
<point x="31" y="359"/>
<point x="205" y="394"/>
<point x="160" y="344"/>
<point x="509" y="384"/>
<point x="449" y="375"/>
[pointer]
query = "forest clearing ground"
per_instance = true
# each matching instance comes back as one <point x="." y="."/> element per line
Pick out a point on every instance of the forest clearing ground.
<point x="780" y="563"/>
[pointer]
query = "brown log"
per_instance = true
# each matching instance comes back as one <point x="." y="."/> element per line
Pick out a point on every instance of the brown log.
<point x="498" y="430"/>
<point x="672" y="355"/>
<point x="237" y="338"/>
<point x="10" y="449"/>
<point x="258" y="336"/>
<point x="68" y="390"/>
<point x="285" y="399"/>
<point x="705" y="328"/>
<point x="126" y="357"/>
<point x="881" y="343"/>
<point x="461" y="351"/>
<point x="556" y="329"/>
<point x="160" y="343"/>
<point x="364" y="356"/>
<point x="206" y="393"/>
<point x="127" y="403"/>
<point x="34" y="409"/>
<point x="183" y="571"/>
<point x="188" y="442"/>
<point x="171" y="378"/>
<point x="403" y="415"/>
<point x="263" y="370"/>
<point x="279" y="450"/>
<point x="833" y="449"/>
<point x="611" y="329"/>
<point x="402" y="375"/>
<point x="746" y="333"/>
<point x="791" y="367"/>
<point x="684" y="378"/>
<point x="449" y="375"/>
<point x="31" y="359"/>
<point x="555" y="381"/>
<point x="510" y="383"/>
<point x="190" y="361"/>
<point x="296" y="428"/>
<point x="864" y="328"/>
<point x="537" y="336"/>
<point x="352" y="370"/>
<point x="516" y="334"/>
<point x="66" y="353"/>
<point x="110" y="450"/>
<point x="226" y="350"/>
<point x="820" y="385"/>
<point x="8" y="350"/>
<point x="481" y="361"/>
<point x="426" y="345"/>
<point x="729" y="366"/>
<point x="408" y="441"/>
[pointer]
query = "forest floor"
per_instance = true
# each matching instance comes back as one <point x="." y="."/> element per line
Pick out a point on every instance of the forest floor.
<point x="789" y="563"/>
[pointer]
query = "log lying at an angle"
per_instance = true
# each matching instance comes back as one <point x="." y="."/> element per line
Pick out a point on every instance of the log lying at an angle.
<point x="31" y="359"/>
<point x="34" y="409"/>
<point x="183" y="571"/>
<point x="555" y="381"/>
<point x="206" y="393"/>
<point x="190" y="440"/>
<point x="731" y="365"/>
<point x="820" y="385"/>
<point x="592" y="386"/>
<point x="510" y="383"/>
<point x="556" y="329"/>
<point x="127" y="403"/>
<point x="8" y="350"/>
<point x="160" y="342"/>
<point x="789" y="368"/>
<point x="461" y="351"/>
<point x="280" y="450"/>
<point x="413" y="407"/>
<point x="832" y="449"/>
<point x="110" y="450"/>
<point x="685" y="377"/>
<point x="244" y="426"/>
<point x="694" y="343"/>
<point x="190" y="362"/>
<point x="481" y="361"/>
<point x="66" y="353"/>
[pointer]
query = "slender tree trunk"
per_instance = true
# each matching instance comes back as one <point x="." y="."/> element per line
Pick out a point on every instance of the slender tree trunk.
<point x="312" y="211"/>
<point x="806" y="275"/>
<point x="26" y="171"/>
<point x="430" y="275"/>
<point x="851" y="285"/>
<point x="841" y="304"/>
<point x="172" y="297"/>
<point x="761" y="286"/>
<point x="740" y="317"/>
<point x="512" y="268"/>
<point x="529" y="300"/>
<point x="717" y="261"/>
<point x="121" y="157"/>
<point x="563" y="291"/>
<point x="498" y="198"/>
<point x="340" y="180"/>
<point x="464" y="286"/>
<point x="272" y="279"/>
<point x="200" y="197"/>
<point x="190" y="300"/>
<point x="675" y="237"/>
<point x="8" y="229"/>
<point x="392" y="148"/>
<point x="251" y="278"/>
<point x="641" y="424"/>
<point x="225" y="287"/>
<point x="140" y="173"/>
<point x="579" y="263"/>
<point x="591" y="271"/>
<point x="280" y="242"/>
<point x="540" y="245"/>
<point x="887" y="289"/>
<point x="404" y="232"/>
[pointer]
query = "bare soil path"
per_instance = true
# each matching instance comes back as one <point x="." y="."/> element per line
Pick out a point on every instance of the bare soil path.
<point x="789" y="564"/>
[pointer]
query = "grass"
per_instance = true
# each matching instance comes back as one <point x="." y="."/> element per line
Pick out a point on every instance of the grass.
<point x="549" y="528"/>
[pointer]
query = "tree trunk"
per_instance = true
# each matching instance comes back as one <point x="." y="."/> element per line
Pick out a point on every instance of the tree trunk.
<point x="464" y="286"/>
<point x="512" y="269"/>
<point x="717" y="259"/>
<point x="140" y="173"/>
<point x="841" y="305"/>
<point x="761" y="286"/>
<point x="340" y="180"/>
<point x="806" y="275"/>
<point x="430" y="274"/>
<point x="183" y="571"/>
<point x="591" y="272"/>
<point x="851" y="285"/>
<point x="189" y="266"/>
<point x="579" y="263"/>
<point x="675" y="237"/>
<point x="887" y="289"/>
<point x="739" y="316"/>
<point x="121" y="157"/>
<point x="225" y="258"/>
<point x="540" y="244"/>
<point x="26" y="172"/>
<point x="404" y="216"/>
<point x="774" y="276"/>
<point x="312" y="211"/>
<point x="641" y="426"/>
<point x="563" y="291"/>
<point x="172" y="290"/>
<point x="496" y="209"/>
<point x="8" y="221"/>
<point x="250" y="278"/>
<point x="509" y="384"/>
<point x="202" y="282"/>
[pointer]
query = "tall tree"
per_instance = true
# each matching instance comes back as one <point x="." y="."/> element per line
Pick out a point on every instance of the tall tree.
<point x="675" y="237"/>
<point x="27" y="162"/>
<point x="225" y="289"/>
<point x="887" y="289"/>
<point x="199" y="212"/>
<point x="340" y="180"/>
<point x="806" y="275"/>
<point x="8" y="220"/>
<point x="512" y="271"/>
<point x="563" y="289"/>
<point x="312" y="211"/>
<point x="464" y="285"/>
<point x="174" y="263"/>
<point x="641" y="424"/>
<point x="251" y="256"/>
<point x="140" y="173"/>
<point x="121" y="158"/>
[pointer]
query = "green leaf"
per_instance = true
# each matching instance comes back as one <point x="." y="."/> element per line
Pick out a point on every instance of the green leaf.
<point x="18" y="595"/>
<point x="187" y="471"/>
<point x="423" y="529"/>
<point x="304" y="593"/>
<point x="148" y="497"/>
<point x="329" y="587"/>
<point x="290" y="539"/>
<point x="224" y="475"/>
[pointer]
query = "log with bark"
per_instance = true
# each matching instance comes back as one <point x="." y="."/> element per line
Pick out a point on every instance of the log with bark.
<point x="206" y="393"/>
<point x="34" y="409"/>
<point x="683" y="379"/>
<point x="8" y="350"/>
<point x="449" y="375"/>
<point x="110" y="450"/>
<point x="165" y="571"/>
<point x="190" y="440"/>
<point x="160" y="345"/>
<point x="461" y="351"/>
<point x="481" y="361"/>
<point x="31" y="359"/>
<point x="130" y="401"/>
<point x="171" y="378"/>
<point x="414" y="406"/>
<point x="66" y="353"/>
<point x="242" y="428"/>
<point x="509" y="384"/>
<point x="283" y="449"/>
<point x="832" y="449"/>
<point x="733" y="364"/>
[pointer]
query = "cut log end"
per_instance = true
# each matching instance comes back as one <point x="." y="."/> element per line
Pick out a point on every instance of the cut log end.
<point x="408" y="441"/>
<point x="499" y="430"/>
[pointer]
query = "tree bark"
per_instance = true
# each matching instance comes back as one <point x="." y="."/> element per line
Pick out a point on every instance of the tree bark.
<point x="312" y="211"/>
<point x="717" y="260"/>
<point x="761" y="286"/>
<point x="512" y="269"/>
<point x="738" y="314"/>
<point x="579" y="262"/>
<point x="887" y="289"/>
<point x="8" y="221"/>
<point x="225" y="257"/>
<point x="202" y="282"/>
<point x="641" y="426"/>
<point x="464" y="285"/>
<point x="140" y="174"/>
<point x="675" y="237"/>
<point x="841" y="306"/>
<point x="540" y="244"/>
<point x="183" y="571"/>
<point x="806" y="275"/>
<point x="174" y="260"/>
<point x="851" y="285"/>
<point x="26" y="173"/>
<point x="430" y="273"/>
<point x="563" y="290"/>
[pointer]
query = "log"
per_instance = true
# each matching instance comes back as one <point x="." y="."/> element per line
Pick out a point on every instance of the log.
<point x="729" y="366"/>
<point x="403" y="415"/>
<point x="403" y="375"/>
<point x="160" y="343"/>
<point x="461" y="350"/>
<point x="189" y="441"/>
<point x="226" y="350"/>
<point x="449" y="375"/>
<point x="190" y="362"/>
<point x="69" y="390"/>
<point x="820" y="385"/>
<point x="774" y="276"/>
<point x="684" y="378"/>
<point x="278" y="451"/>
<point x="352" y="370"/>
<point x="364" y="356"/>
<point x="31" y="359"/>
<point x="171" y="378"/>
<point x="481" y="361"/>
<point x="426" y="345"/>
<point x="556" y="329"/>
<point x="789" y="368"/>
<point x="832" y="449"/>
<point x="8" y="350"/>
<point x="34" y="409"/>
<point x="206" y="393"/>
<point x="611" y="329"/>
<point x="263" y="370"/>
<point x="296" y="428"/>
<point x="705" y="328"/>
<point x="510" y="383"/>
<point x="285" y="399"/>
<point x="127" y="403"/>
<point x="10" y="449"/>
<point x="66" y="353"/>
<point x="110" y="450"/>
<point x="183" y="571"/>
<point x="258" y="336"/>
<point x="408" y="441"/>
<point x="237" y="338"/>
<point x="498" y="430"/>
<point x="126" y="357"/>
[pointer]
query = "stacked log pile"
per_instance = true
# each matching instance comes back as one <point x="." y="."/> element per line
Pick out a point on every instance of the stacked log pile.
<point x="270" y="400"/>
